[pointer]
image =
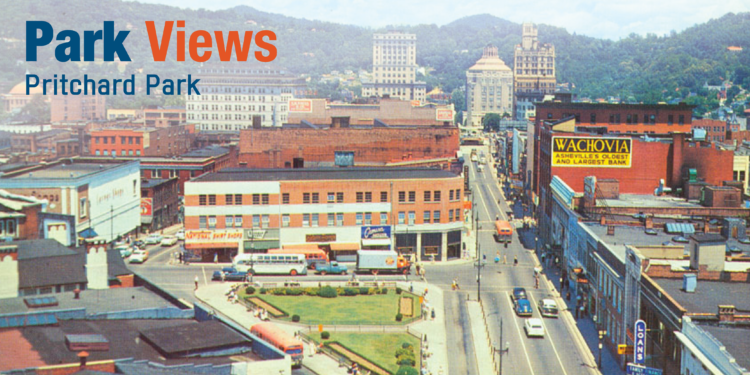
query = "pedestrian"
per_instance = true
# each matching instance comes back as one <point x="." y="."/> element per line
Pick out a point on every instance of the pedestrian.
<point x="562" y="286"/>
<point x="432" y="313"/>
<point x="505" y="259"/>
<point x="196" y="282"/>
<point x="567" y="295"/>
<point x="418" y="268"/>
<point x="515" y="260"/>
<point x="223" y="276"/>
<point x="216" y="258"/>
<point x="576" y="313"/>
<point x="180" y="256"/>
<point x="578" y="300"/>
<point x="543" y="256"/>
<point x="581" y="311"/>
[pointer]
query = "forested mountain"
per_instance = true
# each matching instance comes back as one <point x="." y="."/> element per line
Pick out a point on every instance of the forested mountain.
<point x="651" y="68"/>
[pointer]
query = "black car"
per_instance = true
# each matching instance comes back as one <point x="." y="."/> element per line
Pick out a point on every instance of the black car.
<point x="518" y="294"/>
<point x="138" y="244"/>
<point x="230" y="274"/>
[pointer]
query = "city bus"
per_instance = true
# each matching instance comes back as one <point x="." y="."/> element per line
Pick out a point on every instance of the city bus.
<point x="313" y="256"/>
<point x="280" y="339"/>
<point x="271" y="264"/>
<point x="504" y="231"/>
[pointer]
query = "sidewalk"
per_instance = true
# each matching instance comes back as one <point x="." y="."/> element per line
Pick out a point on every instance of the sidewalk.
<point x="480" y="336"/>
<point x="213" y="296"/>
<point x="434" y="329"/>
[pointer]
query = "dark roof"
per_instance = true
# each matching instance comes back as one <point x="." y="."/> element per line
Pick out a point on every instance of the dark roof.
<point x="735" y="339"/>
<point x="211" y="150"/>
<point x="52" y="270"/>
<point x="43" y="248"/>
<point x="708" y="237"/>
<point x="708" y="295"/>
<point x="95" y="301"/>
<point x="116" y="265"/>
<point x="192" y="337"/>
<point x="145" y="184"/>
<point x="302" y="174"/>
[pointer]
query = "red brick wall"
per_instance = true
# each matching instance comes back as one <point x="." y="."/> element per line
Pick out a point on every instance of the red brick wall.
<point x="661" y="126"/>
<point x="665" y="272"/>
<point x="714" y="166"/>
<point x="715" y="129"/>
<point x="392" y="112"/>
<point x="271" y="148"/>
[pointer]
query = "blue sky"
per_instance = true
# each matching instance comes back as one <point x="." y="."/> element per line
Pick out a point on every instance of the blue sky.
<point x="597" y="18"/>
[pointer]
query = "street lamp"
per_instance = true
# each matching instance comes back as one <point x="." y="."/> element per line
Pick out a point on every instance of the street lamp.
<point x="502" y="350"/>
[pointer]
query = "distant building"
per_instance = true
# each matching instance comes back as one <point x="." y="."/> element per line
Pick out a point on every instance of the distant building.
<point x="16" y="98"/>
<point x="43" y="143"/>
<point x="232" y="96"/>
<point x="159" y="204"/>
<point x="124" y="114"/>
<point x="168" y="141"/>
<point x="716" y="130"/>
<point x="77" y="107"/>
<point x="394" y="68"/>
<point x="534" y="71"/>
<point x="26" y="218"/>
<point x="164" y="117"/>
<point x="393" y="112"/>
<point x="489" y="87"/>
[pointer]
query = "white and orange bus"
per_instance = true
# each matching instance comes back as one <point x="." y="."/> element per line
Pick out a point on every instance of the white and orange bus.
<point x="280" y="339"/>
<point x="313" y="255"/>
<point x="504" y="231"/>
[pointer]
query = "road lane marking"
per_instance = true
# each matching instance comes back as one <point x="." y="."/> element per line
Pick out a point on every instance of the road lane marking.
<point x="521" y="337"/>
<point x="551" y="341"/>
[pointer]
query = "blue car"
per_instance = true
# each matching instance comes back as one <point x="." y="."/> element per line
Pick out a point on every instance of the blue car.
<point x="230" y="274"/>
<point x="518" y="294"/>
<point x="523" y="307"/>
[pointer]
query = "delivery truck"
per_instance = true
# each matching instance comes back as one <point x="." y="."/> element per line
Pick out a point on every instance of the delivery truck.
<point x="381" y="261"/>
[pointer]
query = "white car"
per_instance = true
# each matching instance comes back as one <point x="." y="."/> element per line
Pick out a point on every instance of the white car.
<point x="180" y="235"/>
<point x="153" y="239"/>
<point x="169" y="241"/>
<point x="548" y="308"/>
<point x="138" y="256"/>
<point x="124" y="250"/>
<point x="533" y="327"/>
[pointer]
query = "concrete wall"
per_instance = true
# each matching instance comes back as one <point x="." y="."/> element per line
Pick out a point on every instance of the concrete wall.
<point x="8" y="276"/>
<point x="710" y="349"/>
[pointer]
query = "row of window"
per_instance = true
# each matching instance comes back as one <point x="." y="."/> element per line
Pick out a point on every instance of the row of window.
<point x="331" y="197"/>
<point x="630" y="119"/>
<point x="333" y="219"/>
<point x="114" y="152"/>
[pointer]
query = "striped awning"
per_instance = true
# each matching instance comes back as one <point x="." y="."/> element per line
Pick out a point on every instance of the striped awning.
<point x="344" y="246"/>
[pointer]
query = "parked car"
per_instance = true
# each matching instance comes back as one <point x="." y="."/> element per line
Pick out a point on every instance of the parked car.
<point x="680" y="239"/>
<point x="548" y="308"/>
<point x="138" y="243"/>
<point x="745" y="241"/>
<point x="639" y="216"/>
<point x="169" y="241"/>
<point x="518" y="293"/>
<point x="138" y="256"/>
<point x="332" y="267"/>
<point x="735" y="250"/>
<point x="153" y="239"/>
<point x="533" y="327"/>
<point x="651" y="232"/>
<point x="180" y="235"/>
<point x="124" y="250"/>
<point x="230" y="274"/>
<point x="523" y="307"/>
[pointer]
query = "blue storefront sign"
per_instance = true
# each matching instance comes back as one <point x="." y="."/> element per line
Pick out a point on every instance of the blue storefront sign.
<point x="375" y="232"/>
<point x="640" y="342"/>
<point x="642" y="370"/>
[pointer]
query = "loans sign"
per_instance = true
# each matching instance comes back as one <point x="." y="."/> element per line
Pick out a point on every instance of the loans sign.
<point x="591" y="152"/>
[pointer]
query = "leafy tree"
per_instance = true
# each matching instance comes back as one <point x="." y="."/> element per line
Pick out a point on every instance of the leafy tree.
<point x="491" y="122"/>
<point x="458" y="99"/>
<point x="38" y="109"/>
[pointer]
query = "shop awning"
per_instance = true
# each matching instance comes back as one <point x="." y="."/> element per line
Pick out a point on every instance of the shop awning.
<point x="344" y="246"/>
<point x="261" y="245"/>
<point x="684" y="228"/>
<point x="377" y="242"/>
<point x="302" y="246"/>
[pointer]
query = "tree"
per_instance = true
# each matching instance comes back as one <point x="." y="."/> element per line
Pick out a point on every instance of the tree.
<point x="491" y="122"/>
<point x="459" y="100"/>
<point x="459" y="118"/>
<point x="37" y="109"/>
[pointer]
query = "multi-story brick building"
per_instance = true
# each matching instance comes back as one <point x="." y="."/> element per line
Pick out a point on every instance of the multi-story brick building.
<point x="231" y="95"/>
<point x="419" y="212"/>
<point x="393" y="112"/>
<point x="394" y="68"/>
<point x="489" y="87"/>
<point x="26" y="218"/>
<point x="42" y="143"/>
<point x="77" y="107"/>
<point x="277" y="148"/>
<point x="534" y="71"/>
<point x="169" y="141"/>
<point x="159" y="204"/>
<point x="716" y="130"/>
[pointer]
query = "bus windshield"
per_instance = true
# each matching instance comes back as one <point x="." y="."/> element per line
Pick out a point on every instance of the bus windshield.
<point x="294" y="350"/>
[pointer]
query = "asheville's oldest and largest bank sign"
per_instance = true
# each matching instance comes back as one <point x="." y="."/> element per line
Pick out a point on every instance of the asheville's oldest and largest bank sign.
<point x="591" y="152"/>
<point x="200" y="43"/>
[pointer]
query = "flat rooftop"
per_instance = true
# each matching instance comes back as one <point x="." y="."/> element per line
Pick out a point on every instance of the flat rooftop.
<point x="736" y="340"/>
<point x="63" y="170"/>
<point x="206" y="152"/>
<point x="627" y="235"/>
<point x="305" y="174"/>
<point x="94" y="300"/>
<point x="708" y="295"/>
<point x="46" y="344"/>
<point x="648" y="201"/>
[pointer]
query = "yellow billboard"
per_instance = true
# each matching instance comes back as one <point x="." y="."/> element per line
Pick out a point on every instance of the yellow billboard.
<point x="591" y="152"/>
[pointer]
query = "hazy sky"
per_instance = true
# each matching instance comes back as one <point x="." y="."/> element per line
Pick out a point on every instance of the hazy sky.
<point x="611" y="19"/>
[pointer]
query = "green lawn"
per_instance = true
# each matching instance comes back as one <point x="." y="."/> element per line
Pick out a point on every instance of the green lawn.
<point x="377" y="347"/>
<point x="342" y="310"/>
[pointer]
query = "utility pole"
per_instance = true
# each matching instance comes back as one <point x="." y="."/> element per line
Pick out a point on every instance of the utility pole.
<point x="479" y="258"/>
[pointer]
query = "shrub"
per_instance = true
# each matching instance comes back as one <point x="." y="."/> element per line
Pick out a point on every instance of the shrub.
<point x="407" y="370"/>
<point x="293" y="291"/>
<point x="328" y="292"/>
<point x="295" y="318"/>
<point x="249" y="290"/>
<point x="408" y="352"/>
<point x="399" y="317"/>
<point x="398" y="290"/>
<point x="340" y="291"/>
<point x="325" y="335"/>
<point x="406" y="345"/>
<point x="278" y="291"/>
<point x="263" y="290"/>
<point x="373" y="291"/>
<point x="364" y="291"/>
<point x="406" y="361"/>
<point x="384" y="291"/>
<point x="351" y="291"/>
<point x="312" y="291"/>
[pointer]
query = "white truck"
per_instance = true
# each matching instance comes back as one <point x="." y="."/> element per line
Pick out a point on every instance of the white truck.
<point x="381" y="261"/>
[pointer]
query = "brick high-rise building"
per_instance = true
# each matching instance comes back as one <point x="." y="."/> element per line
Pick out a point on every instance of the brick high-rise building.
<point x="394" y="68"/>
<point x="489" y="87"/>
<point x="77" y="107"/>
<point x="534" y="71"/>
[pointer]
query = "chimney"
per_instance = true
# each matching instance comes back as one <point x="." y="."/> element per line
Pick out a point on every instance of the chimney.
<point x="678" y="143"/>
<point x="83" y="356"/>
<point x="76" y="293"/>
<point x="726" y="313"/>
